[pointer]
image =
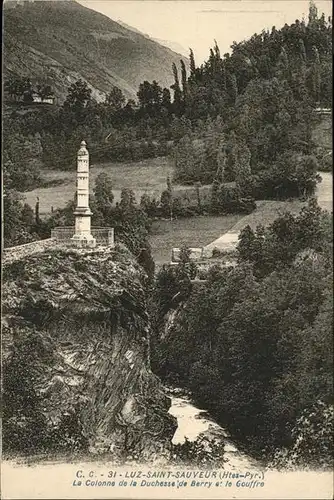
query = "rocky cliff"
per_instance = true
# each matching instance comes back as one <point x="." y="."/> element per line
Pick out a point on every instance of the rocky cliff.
<point x="76" y="356"/>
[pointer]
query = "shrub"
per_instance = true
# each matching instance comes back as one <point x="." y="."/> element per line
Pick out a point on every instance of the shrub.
<point x="204" y="452"/>
<point x="312" y="440"/>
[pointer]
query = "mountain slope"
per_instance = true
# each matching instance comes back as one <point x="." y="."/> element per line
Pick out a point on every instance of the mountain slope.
<point x="61" y="41"/>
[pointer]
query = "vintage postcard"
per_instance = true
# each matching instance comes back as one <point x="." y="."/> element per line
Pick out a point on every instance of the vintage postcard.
<point x="167" y="242"/>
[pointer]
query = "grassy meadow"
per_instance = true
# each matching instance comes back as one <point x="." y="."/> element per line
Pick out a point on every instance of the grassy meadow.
<point x="146" y="176"/>
<point x="143" y="176"/>
<point x="192" y="232"/>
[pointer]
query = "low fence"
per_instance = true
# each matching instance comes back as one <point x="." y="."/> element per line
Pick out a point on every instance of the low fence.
<point x="103" y="235"/>
<point x="60" y="235"/>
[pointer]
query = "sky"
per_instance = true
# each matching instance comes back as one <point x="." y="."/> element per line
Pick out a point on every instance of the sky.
<point x="196" y="24"/>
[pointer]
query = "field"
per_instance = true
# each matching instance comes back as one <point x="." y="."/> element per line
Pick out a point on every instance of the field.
<point x="143" y="176"/>
<point x="192" y="232"/>
<point x="147" y="176"/>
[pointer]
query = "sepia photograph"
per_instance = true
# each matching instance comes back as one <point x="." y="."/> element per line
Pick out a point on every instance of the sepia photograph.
<point x="167" y="241"/>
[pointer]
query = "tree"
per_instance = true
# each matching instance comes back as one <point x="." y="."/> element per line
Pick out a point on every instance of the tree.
<point x="177" y="103"/>
<point x="18" y="219"/>
<point x="78" y="97"/>
<point x="150" y="97"/>
<point x="312" y="13"/>
<point x="283" y="65"/>
<point x="315" y="76"/>
<point x="145" y="259"/>
<point x="275" y="328"/>
<point x="16" y="87"/>
<point x="22" y="161"/>
<point x="166" y="100"/>
<point x="198" y="195"/>
<point x="231" y="157"/>
<point x="233" y="87"/>
<point x="221" y="160"/>
<point x="149" y="206"/>
<point x="167" y="200"/>
<point x="128" y="200"/>
<point x="115" y="100"/>
<point x="103" y="195"/>
<point x="27" y="90"/>
<point x="184" y="80"/>
<point x="43" y="90"/>
<point x="243" y="170"/>
<point x="215" y="196"/>
<point x="247" y="244"/>
<point x="192" y="63"/>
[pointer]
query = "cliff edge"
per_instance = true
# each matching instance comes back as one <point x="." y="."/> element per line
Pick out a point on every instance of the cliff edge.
<point x="76" y="357"/>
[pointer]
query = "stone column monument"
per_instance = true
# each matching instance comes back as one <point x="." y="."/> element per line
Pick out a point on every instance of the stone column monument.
<point x="83" y="236"/>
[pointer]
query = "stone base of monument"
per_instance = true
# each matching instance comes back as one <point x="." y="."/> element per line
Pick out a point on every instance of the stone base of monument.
<point x="83" y="241"/>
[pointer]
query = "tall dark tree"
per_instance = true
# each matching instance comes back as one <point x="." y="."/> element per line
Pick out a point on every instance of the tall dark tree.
<point x="315" y="76"/>
<point x="192" y="63"/>
<point x="184" y="80"/>
<point x="177" y="103"/>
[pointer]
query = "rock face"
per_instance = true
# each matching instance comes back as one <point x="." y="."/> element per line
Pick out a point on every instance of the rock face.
<point x="76" y="356"/>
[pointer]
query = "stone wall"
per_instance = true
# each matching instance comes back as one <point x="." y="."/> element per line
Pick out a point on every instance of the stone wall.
<point x="20" y="251"/>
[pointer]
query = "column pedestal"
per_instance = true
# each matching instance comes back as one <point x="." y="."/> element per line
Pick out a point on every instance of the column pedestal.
<point x="83" y="237"/>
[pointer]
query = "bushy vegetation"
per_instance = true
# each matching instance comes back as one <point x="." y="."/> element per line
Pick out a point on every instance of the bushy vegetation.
<point x="253" y="343"/>
<point x="204" y="453"/>
<point x="26" y="429"/>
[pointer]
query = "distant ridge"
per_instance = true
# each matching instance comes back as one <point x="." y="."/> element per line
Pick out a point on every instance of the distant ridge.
<point x="61" y="41"/>
<point x="174" y="46"/>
